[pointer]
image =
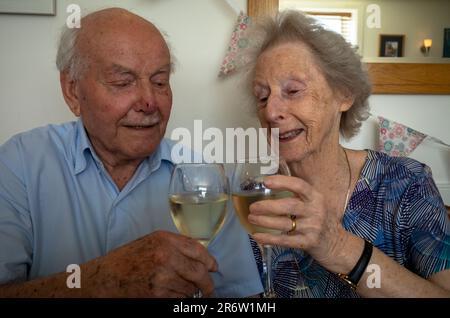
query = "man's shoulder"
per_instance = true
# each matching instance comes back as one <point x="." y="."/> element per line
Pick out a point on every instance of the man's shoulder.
<point x="36" y="142"/>
<point x="40" y="133"/>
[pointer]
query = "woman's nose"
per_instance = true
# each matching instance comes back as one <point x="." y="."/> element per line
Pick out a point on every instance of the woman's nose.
<point x="274" y="109"/>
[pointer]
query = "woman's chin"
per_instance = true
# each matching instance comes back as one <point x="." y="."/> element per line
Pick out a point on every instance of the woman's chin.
<point x="290" y="156"/>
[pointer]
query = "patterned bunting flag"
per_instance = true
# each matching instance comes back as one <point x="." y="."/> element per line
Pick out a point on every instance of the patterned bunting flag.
<point x="238" y="42"/>
<point x="396" y="139"/>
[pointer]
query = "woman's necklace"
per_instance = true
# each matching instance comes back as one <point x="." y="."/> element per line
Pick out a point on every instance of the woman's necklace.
<point x="347" y="197"/>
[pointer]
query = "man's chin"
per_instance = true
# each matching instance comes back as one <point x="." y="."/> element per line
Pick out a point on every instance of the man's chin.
<point x="142" y="150"/>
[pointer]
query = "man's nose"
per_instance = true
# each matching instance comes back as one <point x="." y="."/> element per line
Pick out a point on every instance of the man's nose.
<point x="146" y="98"/>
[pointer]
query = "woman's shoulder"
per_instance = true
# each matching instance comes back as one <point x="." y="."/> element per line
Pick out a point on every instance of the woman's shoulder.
<point x="379" y="165"/>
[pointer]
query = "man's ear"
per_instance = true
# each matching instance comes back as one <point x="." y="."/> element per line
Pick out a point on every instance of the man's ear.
<point x="69" y="90"/>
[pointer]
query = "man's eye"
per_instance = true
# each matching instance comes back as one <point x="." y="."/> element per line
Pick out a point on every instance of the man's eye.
<point x="121" y="84"/>
<point x="160" y="84"/>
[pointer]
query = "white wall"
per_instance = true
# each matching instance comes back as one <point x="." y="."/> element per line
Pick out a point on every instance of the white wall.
<point x="199" y="31"/>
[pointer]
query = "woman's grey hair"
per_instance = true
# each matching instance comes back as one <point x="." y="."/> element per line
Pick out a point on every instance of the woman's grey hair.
<point x="336" y="58"/>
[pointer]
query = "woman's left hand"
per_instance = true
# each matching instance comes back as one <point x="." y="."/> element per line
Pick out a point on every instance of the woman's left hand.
<point x="318" y="231"/>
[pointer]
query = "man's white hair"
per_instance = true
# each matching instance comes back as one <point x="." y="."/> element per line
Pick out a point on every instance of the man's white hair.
<point x="68" y="59"/>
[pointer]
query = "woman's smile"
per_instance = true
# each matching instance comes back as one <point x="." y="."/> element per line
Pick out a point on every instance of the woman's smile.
<point x="290" y="135"/>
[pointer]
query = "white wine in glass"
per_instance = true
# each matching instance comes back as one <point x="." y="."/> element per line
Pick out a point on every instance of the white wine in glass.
<point x="248" y="187"/>
<point x="198" y="196"/>
<point x="242" y="201"/>
<point x="199" y="215"/>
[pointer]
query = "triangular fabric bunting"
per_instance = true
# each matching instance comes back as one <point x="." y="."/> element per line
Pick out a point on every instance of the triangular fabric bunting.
<point x="396" y="139"/>
<point x="238" y="42"/>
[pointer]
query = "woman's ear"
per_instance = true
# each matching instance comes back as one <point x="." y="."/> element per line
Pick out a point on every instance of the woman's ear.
<point x="346" y="103"/>
<point x="347" y="99"/>
<point x="69" y="90"/>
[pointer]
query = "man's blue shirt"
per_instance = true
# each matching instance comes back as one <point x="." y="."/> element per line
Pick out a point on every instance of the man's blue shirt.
<point x="59" y="206"/>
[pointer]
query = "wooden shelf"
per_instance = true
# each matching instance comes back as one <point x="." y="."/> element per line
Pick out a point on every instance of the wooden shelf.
<point x="409" y="78"/>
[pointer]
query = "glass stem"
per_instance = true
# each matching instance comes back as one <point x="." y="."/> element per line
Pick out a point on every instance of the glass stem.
<point x="198" y="294"/>
<point x="266" y="256"/>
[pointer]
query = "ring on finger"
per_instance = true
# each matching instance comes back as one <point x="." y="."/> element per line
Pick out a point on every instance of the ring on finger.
<point x="294" y="224"/>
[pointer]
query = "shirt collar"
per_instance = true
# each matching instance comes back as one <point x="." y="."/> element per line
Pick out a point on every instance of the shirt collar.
<point x="162" y="153"/>
<point x="83" y="149"/>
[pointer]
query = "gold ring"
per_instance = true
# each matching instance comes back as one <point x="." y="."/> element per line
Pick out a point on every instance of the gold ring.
<point x="294" y="224"/>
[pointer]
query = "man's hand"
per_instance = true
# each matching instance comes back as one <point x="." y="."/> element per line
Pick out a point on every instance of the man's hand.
<point x="161" y="264"/>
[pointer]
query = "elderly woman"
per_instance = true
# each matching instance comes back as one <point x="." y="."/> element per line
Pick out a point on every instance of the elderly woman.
<point x="362" y="223"/>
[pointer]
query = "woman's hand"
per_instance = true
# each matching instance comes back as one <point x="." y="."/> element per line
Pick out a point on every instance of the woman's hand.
<point x="318" y="230"/>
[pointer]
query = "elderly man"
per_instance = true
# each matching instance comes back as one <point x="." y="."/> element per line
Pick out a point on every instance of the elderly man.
<point x="80" y="192"/>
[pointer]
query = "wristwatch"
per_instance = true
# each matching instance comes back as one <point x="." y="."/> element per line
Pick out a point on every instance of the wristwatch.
<point x="352" y="279"/>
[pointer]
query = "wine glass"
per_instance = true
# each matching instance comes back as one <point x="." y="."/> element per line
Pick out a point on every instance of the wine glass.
<point x="198" y="195"/>
<point x="248" y="187"/>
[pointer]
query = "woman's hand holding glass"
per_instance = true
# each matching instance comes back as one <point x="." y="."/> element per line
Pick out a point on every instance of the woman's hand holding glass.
<point x="316" y="231"/>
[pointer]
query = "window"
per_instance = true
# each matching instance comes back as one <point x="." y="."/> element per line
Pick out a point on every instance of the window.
<point x="341" y="20"/>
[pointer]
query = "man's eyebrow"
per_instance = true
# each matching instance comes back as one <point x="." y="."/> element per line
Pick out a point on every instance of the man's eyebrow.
<point x="119" y="69"/>
<point x="165" y="69"/>
<point x="116" y="68"/>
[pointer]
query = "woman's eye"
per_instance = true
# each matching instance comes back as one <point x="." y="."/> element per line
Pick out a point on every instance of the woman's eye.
<point x="262" y="100"/>
<point x="292" y="91"/>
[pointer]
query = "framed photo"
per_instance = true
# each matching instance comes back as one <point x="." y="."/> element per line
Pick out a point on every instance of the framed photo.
<point x="446" y="43"/>
<point x="37" y="7"/>
<point x="391" y="45"/>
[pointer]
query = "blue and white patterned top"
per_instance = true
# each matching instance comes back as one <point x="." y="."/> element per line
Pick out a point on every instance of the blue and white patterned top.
<point x="397" y="207"/>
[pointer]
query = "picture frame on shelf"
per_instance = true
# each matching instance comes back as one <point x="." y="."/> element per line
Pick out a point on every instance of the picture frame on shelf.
<point x="391" y="45"/>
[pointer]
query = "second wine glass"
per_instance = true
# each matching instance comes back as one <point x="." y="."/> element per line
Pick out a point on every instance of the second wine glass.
<point x="248" y="187"/>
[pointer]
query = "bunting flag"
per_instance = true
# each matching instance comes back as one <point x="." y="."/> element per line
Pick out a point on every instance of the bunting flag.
<point x="397" y="140"/>
<point x="238" y="42"/>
